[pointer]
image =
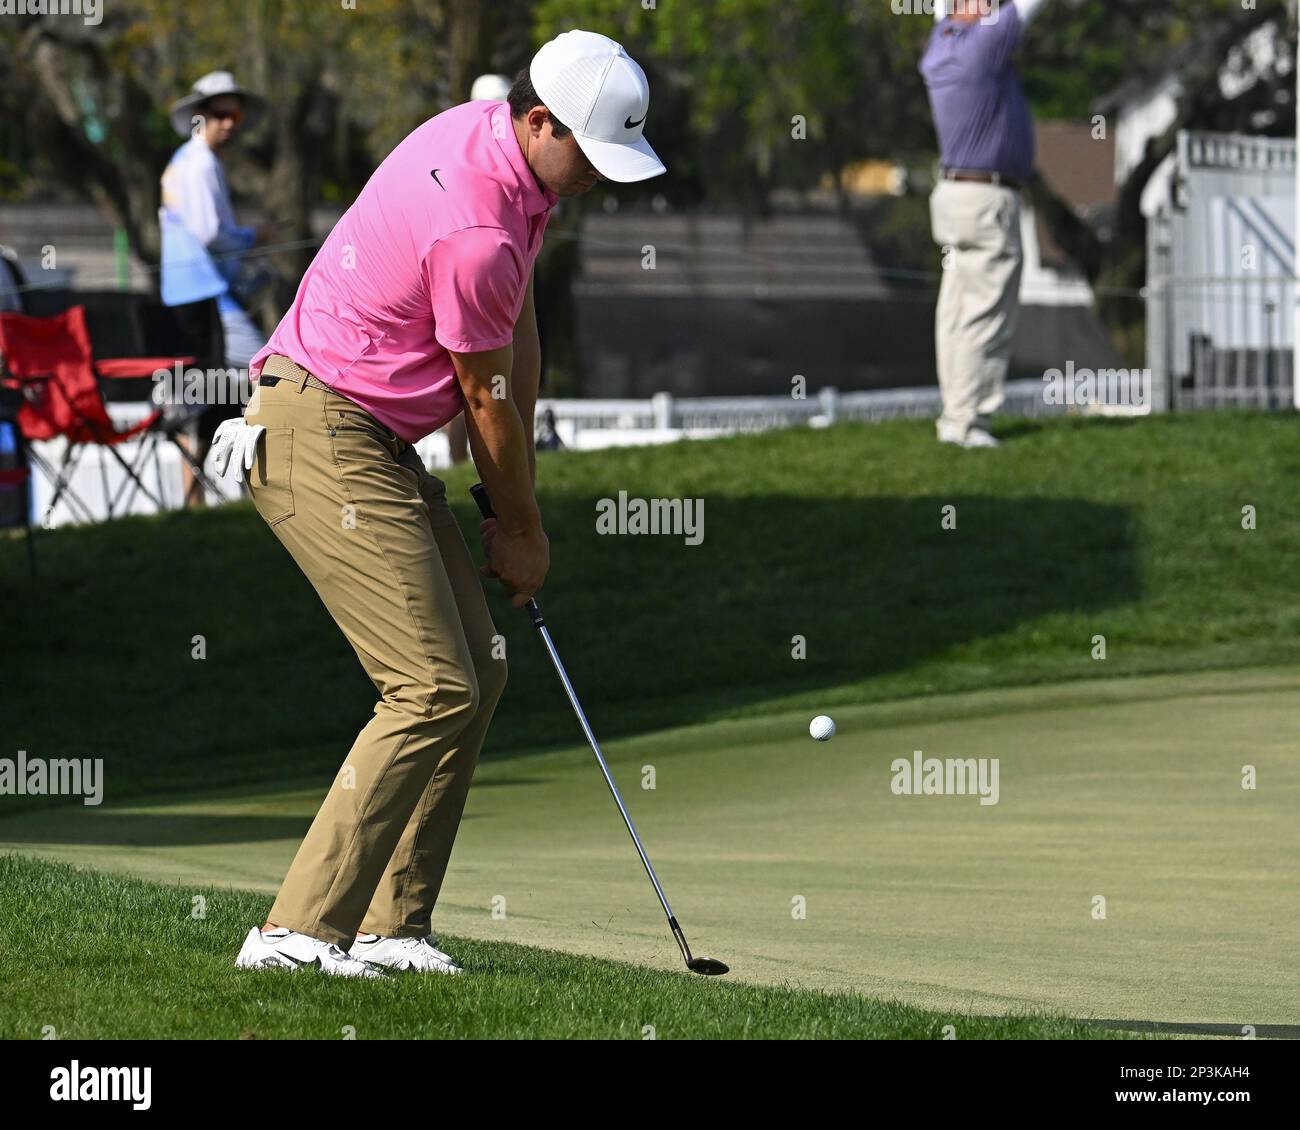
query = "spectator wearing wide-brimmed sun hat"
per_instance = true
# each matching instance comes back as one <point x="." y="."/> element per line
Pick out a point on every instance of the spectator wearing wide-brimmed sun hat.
<point x="211" y="87"/>
<point x="203" y="244"/>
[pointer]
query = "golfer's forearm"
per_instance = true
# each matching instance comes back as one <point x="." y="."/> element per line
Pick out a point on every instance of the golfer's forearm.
<point x="526" y="373"/>
<point x="496" y="437"/>
<point x="524" y="380"/>
<point x="498" y="442"/>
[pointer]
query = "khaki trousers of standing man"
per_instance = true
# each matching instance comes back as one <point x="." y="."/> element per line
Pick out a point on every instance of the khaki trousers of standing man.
<point x="978" y="226"/>
<point x="372" y="531"/>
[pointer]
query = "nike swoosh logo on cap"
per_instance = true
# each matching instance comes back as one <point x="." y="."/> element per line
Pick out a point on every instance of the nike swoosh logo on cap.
<point x="628" y="123"/>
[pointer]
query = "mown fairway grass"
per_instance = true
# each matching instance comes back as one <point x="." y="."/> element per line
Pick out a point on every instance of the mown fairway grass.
<point x="1127" y="530"/>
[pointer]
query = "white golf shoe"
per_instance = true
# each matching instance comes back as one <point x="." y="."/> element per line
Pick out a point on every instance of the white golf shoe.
<point x="972" y="437"/>
<point x="979" y="437"/>
<point x="287" y="949"/>
<point x="418" y="955"/>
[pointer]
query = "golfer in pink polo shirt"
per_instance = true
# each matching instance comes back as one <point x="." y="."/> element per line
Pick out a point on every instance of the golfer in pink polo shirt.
<point x="417" y="307"/>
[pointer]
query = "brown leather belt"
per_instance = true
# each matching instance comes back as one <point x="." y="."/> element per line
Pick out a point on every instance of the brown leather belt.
<point x="277" y="368"/>
<point x="981" y="178"/>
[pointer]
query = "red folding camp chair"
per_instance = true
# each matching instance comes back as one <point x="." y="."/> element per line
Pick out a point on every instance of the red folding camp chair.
<point x="50" y="361"/>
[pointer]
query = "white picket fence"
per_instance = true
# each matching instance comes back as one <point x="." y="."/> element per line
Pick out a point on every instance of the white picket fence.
<point x="587" y="425"/>
<point x="582" y="425"/>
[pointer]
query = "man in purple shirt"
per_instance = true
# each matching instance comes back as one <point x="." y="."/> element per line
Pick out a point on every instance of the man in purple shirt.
<point x="986" y="153"/>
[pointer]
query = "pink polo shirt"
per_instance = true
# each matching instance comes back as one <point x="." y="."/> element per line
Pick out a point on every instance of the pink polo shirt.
<point x="434" y="255"/>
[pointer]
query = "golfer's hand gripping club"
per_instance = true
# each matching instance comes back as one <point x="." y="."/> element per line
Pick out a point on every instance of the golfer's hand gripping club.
<point x="480" y="493"/>
<point x="526" y="559"/>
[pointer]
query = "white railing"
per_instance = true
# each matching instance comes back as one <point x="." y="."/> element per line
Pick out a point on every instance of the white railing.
<point x="582" y="425"/>
<point x="587" y="425"/>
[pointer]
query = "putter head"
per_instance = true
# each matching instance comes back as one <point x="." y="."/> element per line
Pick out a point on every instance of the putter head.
<point x="708" y="966"/>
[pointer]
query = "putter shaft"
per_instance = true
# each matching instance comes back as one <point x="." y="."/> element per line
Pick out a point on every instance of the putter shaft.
<point x="704" y="965"/>
<point x="540" y="625"/>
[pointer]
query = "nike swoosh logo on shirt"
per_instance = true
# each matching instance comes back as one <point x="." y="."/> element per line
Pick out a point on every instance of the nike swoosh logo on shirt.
<point x="628" y="123"/>
<point x="434" y="173"/>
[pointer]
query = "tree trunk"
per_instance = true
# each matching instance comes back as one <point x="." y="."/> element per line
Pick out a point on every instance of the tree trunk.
<point x="470" y="47"/>
<point x="123" y="183"/>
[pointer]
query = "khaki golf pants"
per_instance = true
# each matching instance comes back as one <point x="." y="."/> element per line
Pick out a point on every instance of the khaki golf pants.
<point x="978" y="226"/>
<point x="372" y="531"/>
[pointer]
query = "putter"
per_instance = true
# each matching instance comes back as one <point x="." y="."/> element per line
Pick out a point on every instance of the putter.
<point x="708" y="966"/>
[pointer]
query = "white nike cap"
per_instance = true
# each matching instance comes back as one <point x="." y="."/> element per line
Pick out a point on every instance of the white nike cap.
<point x="592" y="85"/>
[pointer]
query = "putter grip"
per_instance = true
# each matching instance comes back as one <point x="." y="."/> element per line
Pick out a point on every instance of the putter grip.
<point x="480" y="493"/>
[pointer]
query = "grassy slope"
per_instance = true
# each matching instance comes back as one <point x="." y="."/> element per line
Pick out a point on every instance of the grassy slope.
<point x="177" y="981"/>
<point x="1130" y="530"/>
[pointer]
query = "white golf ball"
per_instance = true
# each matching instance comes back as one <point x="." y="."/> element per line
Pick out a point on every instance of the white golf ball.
<point x="822" y="728"/>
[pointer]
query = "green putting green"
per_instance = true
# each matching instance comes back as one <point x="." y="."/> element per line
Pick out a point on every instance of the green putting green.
<point x="796" y="863"/>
